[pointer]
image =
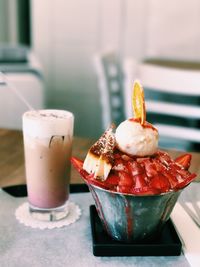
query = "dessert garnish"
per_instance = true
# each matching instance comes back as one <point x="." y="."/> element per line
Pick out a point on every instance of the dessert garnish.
<point x="129" y="161"/>
<point x="138" y="102"/>
<point x="99" y="159"/>
<point x="136" y="136"/>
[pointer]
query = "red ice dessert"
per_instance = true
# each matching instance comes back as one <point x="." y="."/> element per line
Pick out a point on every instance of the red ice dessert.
<point x="129" y="161"/>
<point x="134" y="184"/>
<point x="143" y="176"/>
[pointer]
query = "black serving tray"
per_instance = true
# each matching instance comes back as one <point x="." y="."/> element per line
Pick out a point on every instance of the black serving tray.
<point x="21" y="190"/>
<point x="167" y="244"/>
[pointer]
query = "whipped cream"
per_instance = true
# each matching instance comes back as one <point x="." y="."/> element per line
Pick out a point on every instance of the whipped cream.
<point x="135" y="139"/>
<point x="45" y="123"/>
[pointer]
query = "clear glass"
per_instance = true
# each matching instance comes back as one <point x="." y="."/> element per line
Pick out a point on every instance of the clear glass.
<point x="48" y="138"/>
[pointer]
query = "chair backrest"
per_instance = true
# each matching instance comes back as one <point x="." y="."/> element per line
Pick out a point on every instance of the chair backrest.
<point x="172" y="93"/>
<point x="110" y="83"/>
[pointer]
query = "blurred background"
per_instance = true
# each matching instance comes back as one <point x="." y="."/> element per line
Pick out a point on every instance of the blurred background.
<point x="83" y="56"/>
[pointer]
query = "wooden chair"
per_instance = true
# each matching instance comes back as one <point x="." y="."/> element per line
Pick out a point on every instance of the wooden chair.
<point x="172" y="93"/>
<point x="110" y="83"/>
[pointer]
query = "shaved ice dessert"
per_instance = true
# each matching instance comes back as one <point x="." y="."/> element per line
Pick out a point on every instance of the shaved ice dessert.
<point x="135" y="185"/>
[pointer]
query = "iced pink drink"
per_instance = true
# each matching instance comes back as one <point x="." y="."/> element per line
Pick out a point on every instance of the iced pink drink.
<point x="47" y="143"/>
<point x="47" y="183"/>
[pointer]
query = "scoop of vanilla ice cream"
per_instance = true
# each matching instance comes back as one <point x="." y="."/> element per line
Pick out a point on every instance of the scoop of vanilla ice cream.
<point x="137" y="140"/>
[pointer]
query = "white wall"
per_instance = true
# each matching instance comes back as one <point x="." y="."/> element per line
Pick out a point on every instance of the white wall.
<point x="66" y="36"/>
<point x="67" y="33"/>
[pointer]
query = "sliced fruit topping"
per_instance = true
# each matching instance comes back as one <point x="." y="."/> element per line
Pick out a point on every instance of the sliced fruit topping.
<point x="150" y="168"/>
<point x="138" y="103"/>
<point x="141" y="176"/>
<point x="77" y="163"/>
<point x="113" y="179"/>
<point x="186" y="181"/>
<point x="160" y="182"/>
<point x="140" y="182"/>
<point x="171" y="178"/>
<point x="184" y="160"/>
<point x="125" y="179"/>
<point x="135" y="168"/>
<point x="99" y="159"/>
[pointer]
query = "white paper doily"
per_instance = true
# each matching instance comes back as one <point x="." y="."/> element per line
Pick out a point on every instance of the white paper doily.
<point x="23" y="216"/>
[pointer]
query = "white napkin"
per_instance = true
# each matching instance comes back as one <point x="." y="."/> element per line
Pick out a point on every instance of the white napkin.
<point x="189" y="232"/>
<point x="23" y="216"/>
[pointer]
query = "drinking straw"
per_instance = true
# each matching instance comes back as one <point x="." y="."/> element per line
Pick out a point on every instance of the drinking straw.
<point x="13" y="88"/>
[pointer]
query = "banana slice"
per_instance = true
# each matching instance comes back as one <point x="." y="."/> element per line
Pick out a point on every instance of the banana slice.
<point x="99" y="159"/>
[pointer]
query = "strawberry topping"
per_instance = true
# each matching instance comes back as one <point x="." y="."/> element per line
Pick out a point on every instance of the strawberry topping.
<point x="143" y="176"/>
<point x="184" y="160"/>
